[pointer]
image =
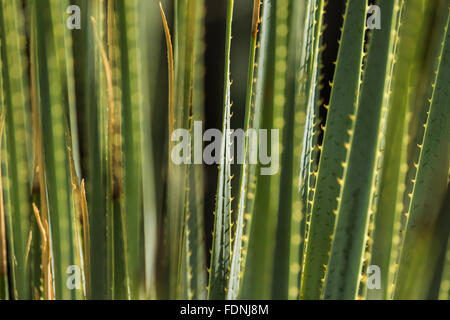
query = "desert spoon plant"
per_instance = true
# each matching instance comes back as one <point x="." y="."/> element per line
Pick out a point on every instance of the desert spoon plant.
<point x="94" y="206"/>
<point x="356" y="204"/>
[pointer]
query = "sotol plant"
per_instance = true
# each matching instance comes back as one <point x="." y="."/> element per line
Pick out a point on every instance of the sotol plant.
<point x="93" y="207"/>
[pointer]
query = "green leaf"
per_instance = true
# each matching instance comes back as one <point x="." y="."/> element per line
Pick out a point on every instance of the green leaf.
<point x="255" y="283"/>
<point x="303" y="129"/>
<point x="344" y="98"/>
<point x="148" y="17"/>
<point x="54" y="115"/>
<point x="431" y="179"/>
<point x="195" y="246"/>
<point x="247" y="175"/>
<point x="91" y="93"/>
<point x="284" y="100"/>
<point x="354" y="210"/>
<point x="393" y="175"/>
<point x="221" y="250"/>
<point x="132" y="110"/>
<point x="16" y="174"/>
<point x="4" y="285"/>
